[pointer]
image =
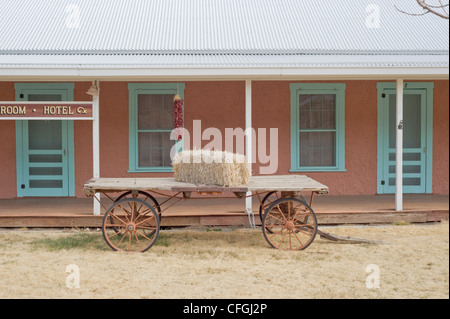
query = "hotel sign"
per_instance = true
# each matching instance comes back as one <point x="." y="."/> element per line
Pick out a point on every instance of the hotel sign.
<point x="46" y="110"/>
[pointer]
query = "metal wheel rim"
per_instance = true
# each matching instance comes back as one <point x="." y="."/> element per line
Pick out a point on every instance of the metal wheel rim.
<point x="130" y="224"/>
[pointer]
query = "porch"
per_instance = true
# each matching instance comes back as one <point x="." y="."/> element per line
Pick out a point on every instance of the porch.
<point x="330" y="210"/>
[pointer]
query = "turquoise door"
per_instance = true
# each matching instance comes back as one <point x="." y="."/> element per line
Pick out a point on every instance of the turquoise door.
<point x="44" y="168"/>
<point x="414" y="142"/>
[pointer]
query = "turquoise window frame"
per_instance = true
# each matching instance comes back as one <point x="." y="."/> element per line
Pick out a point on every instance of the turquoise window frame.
<point x="45" y="88"/>
<point x="337" y="89"/>
<point x="134" y="89"/>
<point x="428" y="88"/>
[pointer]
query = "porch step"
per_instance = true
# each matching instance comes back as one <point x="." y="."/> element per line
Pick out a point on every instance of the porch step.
<point x="233" y="219"/>
<point x="330" y="210"/>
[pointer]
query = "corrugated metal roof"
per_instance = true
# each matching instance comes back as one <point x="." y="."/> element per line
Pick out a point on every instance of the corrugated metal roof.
<point x="218" y="26"/>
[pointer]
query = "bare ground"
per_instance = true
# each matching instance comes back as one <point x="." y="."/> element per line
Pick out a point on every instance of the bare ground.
<point x="231" y="264"/>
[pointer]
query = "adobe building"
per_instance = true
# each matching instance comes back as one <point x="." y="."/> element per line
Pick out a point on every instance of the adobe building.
<point x="327" y="78"/>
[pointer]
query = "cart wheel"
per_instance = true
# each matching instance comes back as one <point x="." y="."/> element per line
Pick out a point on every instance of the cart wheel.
<point x="130" y="224"/>
<point x="289" y="224"/>
<point x="145" y="197"/>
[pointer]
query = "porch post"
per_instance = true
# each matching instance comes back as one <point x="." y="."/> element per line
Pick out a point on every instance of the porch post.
<point x="399" y="148"/>
<point x="96" y="142"/>
<point x="248" y="136"/>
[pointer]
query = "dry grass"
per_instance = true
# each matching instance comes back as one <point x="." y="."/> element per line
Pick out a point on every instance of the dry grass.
<point x="228" y="264"/>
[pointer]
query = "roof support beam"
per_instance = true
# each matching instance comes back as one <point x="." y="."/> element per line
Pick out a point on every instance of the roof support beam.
<point x="249" y="143"/>
<point x="399" y="148"/>
<point x="95" y="92"/>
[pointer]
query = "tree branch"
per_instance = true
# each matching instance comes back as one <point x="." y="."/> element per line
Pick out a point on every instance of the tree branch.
<point x="439" y="10"/>
<point x="411" y="14"/>
<point x="434" y="9"/>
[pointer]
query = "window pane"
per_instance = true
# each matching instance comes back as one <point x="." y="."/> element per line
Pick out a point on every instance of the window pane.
<point x="406" y="169"/>
<point x="406" y="156"/>
<point x="305" y="102"/>
<point x="155" y="111"/>
<point x="154" y="149"/>
<point x="44" y="97"/>
<point x="317" y="111"/>
<point x="329" y="119"/>
<point x="411" y="181"/>
<point x="45" y="158"/>
<point x="45" y="135"/>
<point x="45" y="171"/>
<point x="412" y="117"/>
<point x="406" y="181"/>
<point x="329" y="102"/>
<point x="412" y="127"/>
<point x="317" y="149"/>
<point x="305" y="112"/>
<point x="46" y="184"/>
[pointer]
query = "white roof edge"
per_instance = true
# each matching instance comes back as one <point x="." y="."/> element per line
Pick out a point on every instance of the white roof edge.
<point x="223" y="66"/>
<point x="112" y="74"/>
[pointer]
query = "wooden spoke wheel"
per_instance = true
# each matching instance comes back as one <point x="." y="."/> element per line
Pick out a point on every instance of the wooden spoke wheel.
<point x="145" y="197"/>
<point x="269" y="199"/>
<point x="289" y="224"/>
<point x="130" y="224"/>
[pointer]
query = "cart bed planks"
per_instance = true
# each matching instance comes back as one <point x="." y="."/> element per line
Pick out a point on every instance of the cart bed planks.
<point x="282" y="183"/>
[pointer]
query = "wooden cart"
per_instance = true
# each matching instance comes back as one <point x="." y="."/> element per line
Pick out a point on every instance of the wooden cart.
<point x="132" y="222"/>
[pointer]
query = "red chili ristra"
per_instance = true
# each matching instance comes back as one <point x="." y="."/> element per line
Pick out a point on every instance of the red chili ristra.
<point x="178" y="116"/>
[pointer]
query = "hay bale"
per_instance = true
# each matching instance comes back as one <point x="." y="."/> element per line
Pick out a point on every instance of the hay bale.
<point x="211" y="168"/>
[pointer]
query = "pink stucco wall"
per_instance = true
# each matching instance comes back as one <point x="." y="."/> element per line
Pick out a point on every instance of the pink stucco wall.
<point x="82" y="141"/>
<point x="221" y="104"/>
<point x="8" y="181"/>
<point x="440" y="137"/>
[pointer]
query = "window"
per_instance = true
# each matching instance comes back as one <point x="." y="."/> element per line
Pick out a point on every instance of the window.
<point x="317" y="127"/>
<point x="150" y="124"/>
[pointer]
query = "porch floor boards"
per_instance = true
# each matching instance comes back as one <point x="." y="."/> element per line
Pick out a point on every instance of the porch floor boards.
<point x="330" y="210"/>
